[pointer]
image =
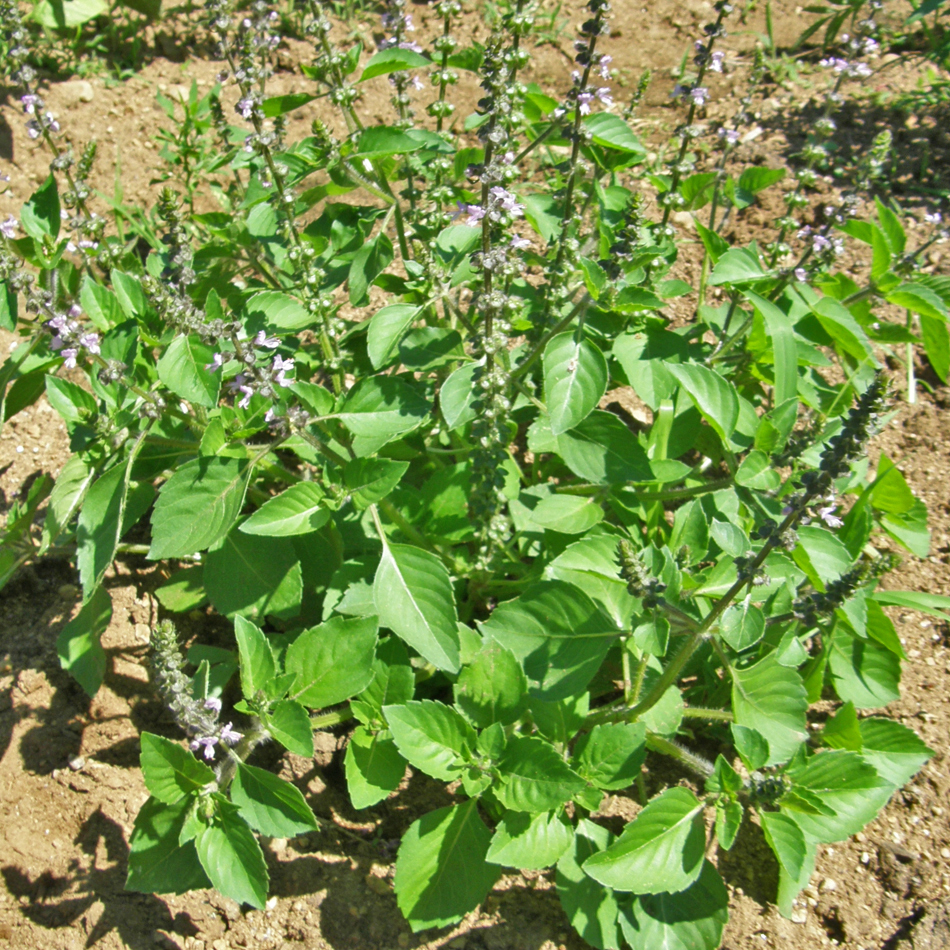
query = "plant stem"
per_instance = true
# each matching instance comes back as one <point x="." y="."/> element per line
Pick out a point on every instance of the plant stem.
<point x="335" y="717"/>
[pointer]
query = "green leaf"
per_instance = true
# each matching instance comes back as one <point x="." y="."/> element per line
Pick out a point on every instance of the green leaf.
<point x="771" y="699"/>
<point x="254" y="576"/>
<point x="431" y="736"/>
<point x="558" y="635"/>
<point x="785" y="838"/>
<point x="393" y="679"/>
<point x="72" y="402"/>
<point x="67" y="14"/>
<point x="333" y="661"/>
<point x="863" y="671"/>
<point x="751" y="745"/>
<point x="269" y="804"/>
<point x="575" y="380"/>
<point x="370" y="480"/>
<point x="184" y="591"/>
<point x="392" y="61"/>
<point x="368" y="263"/>
<point x="8" y="307"/>
<point x="559" y="721"/>
<point x="836" y="320"/>
<point x="457" y="395"/>
<point x="842" y="731"/>
<point x="386" y="328"/>
<point x="280" y="310"/>
<point x="379" y="409"/>
<point x="610" y="756"/>
<point x="713" y="396"/>
<point x="374" y="767"/>
<point x="67" y="495"/>
<point x="171" y="771"/>
<point x="737" y="267"/>
<point x="728" y="821"/>
<point x="896" y="752"/>
<point x="414" y="598"/>
<point x="591" y="909"/>
<point x="756" y="471"/>
<point x="890" y="491"/>
<point x="78" y="644"/>
<point x="182" y="370"/>
<point x="258" y="666"/>
<point x="40" y="215"/>
<point x="784" y="347"/>
<point x="660" y="850"/>
<point x="821" y="555"/>
<point x="491" y="687"/>
<point x="936" y="337"/>
<point x="232" y="858"/>
<point x="568" y="514"/>
<point x="274" y="106"/>
<point x="296" y="510"/>
<point x="534" y="777"/>
<point x="158" y="864"/>
<point x="936" y="605"/>
<point x="757" y="178"/>
<point x="289" y="723"/>
<point x="742" y="625"/>
<point x="918" y="299"/>
<point x="111" y="506"/>
<point x="197" y="506"/>
<point x="603" y="450"/>
<point x="441" y="872"/>
<point x="611" y="131"/>
<point x="689" y="920"/>
<point x="530" y="842"/>
<point x="845" y="783"/>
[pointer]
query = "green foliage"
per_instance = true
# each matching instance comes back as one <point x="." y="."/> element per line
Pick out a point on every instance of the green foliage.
<point x="378" y="442"/>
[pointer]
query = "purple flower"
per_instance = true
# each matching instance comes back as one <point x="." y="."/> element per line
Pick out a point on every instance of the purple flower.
<point x="90" y="341"/>
<point x="715" y="62"/>
<point x="69" y="356"/>
<point x="216" y="363"/>
<point x="30" y="102"/>
<point x="605" y="60"/>
<point x="584" y="99"/>
<point x="699" y="95"/>
<point x="245" y="107"/>
<point x="475" y="214"/>
<point x="801" y="273"/>
<point x="207" y="743"/>
<point x="506" y="200"/>
<point x="820" y="243"/>
<point x="262" y="339"/>
<point x="730" y="135"/>
<point x="518" y="243"/>
<point x="934" y="218"/>
<point x="229" y="736"/>
<point x="417" y="83"/>
<point x="32" y="129"/>
<point x="828" y="516"/>
<point x="213" y="703"/>
<point x="282" y="366"/>
<point x="8" y="227"/>
<point x="57" y="323"/>
<point x="75" y="311"/>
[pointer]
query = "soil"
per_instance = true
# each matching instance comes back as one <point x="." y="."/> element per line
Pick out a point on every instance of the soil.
<point x="70" y="785"/>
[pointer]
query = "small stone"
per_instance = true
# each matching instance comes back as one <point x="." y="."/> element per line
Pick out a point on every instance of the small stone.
<point x="78" y="91"/>
<point x="945" y="852"/>
<point x="829" y="884"/>
<point x="799" y="915"/>
<point x="271" y="902"/>
<point x="278" y="845"/>
<point x="866" y="858"/>
<point x="76" y="763"/>
<point x="221" y="944"/>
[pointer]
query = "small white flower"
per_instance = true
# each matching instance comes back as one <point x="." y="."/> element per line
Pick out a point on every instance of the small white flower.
<point x="8" y="227"/>
<point x="699" y="95"/>
<point x="213" y="703"/>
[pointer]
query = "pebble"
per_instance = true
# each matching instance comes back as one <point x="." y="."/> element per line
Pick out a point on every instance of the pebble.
<point x="945" y="852"/>
<point x="76" y="763"/>
<point x="272" y="901"/>
<point x="865" y="857"/>
<point x="829" y="884"/>
<point x="799" y="915"/>
<point x="78" y="91"/>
